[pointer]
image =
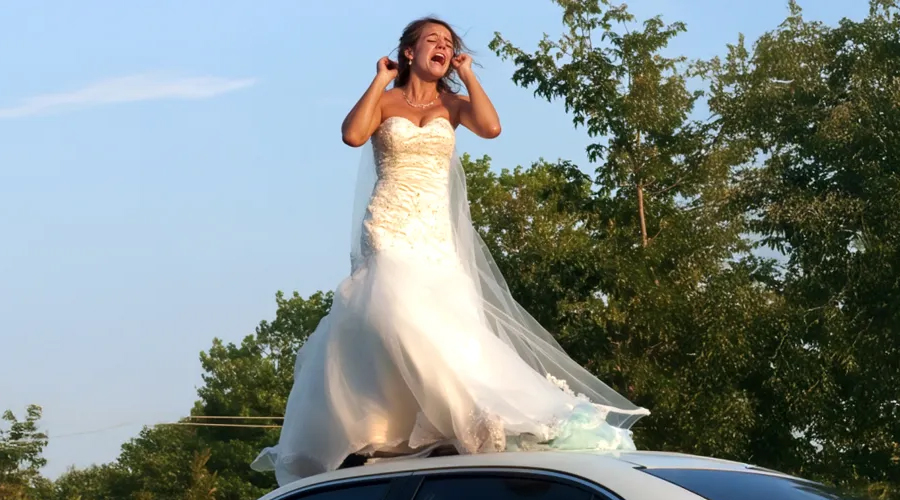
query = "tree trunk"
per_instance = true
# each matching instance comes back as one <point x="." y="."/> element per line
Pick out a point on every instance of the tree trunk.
<point x="640" y="196"/>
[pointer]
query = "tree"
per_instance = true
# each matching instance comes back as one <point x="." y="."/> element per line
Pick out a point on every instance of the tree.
<point x="158" y="463"/>
<point x="620" y="87"/>
<point x="690" y="351"/>
<point x="253" y="380"/>
<point x="21" y="455"/>
<point x="736" y="357"/>
<point x="203" y="484"/>
<point x="820" y="108"/>
<point x="667" y="305"/>
<point x="99" y="482"/>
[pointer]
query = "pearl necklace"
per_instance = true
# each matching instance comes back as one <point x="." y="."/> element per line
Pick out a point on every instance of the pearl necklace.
<point x="420" y="105"/>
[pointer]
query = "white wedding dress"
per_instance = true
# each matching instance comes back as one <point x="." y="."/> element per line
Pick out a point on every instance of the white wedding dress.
<point x="424" y="345"/>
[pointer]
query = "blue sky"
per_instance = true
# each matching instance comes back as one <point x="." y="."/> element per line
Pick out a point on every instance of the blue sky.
<point x="167" y="166"/>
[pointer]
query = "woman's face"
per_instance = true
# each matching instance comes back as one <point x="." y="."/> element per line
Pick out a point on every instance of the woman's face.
<point x="432" y="52"/>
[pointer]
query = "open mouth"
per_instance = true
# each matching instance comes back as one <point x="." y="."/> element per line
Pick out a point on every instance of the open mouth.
<point x="439" y="58"/>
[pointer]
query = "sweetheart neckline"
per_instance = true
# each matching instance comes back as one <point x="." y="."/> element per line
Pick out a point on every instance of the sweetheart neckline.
<point x="414" y="124"/>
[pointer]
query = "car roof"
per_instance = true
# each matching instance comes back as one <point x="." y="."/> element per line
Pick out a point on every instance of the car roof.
<point x="616" y="470"/>
<point x="672" y="460"/>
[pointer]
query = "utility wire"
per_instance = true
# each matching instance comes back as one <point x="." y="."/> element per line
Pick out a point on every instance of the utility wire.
<point x="191" y="424"/>
<point x="245" y="426"/>
<point x="232" y="417"/>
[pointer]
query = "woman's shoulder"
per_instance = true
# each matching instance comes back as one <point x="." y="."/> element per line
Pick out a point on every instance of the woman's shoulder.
<point x="455" y="97"/>
<point x="453" y="101"/>
<point x="389" y="99"/>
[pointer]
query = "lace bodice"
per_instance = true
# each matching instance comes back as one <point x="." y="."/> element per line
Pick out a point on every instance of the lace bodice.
<point x="409" y="207"/>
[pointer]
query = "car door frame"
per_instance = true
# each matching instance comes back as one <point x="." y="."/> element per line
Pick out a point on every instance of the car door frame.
<point x="412" y="483"/>
<point x="405" y="485"/>
<point x="396" y="489"/>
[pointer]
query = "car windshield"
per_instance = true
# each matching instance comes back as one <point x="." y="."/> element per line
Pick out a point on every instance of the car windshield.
<point x="737" y="485"/>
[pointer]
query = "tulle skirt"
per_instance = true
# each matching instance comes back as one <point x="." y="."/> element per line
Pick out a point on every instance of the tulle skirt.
<point x="403" y="362"/>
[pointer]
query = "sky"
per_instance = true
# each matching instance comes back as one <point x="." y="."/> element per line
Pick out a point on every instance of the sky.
<point x="166" y="167"/>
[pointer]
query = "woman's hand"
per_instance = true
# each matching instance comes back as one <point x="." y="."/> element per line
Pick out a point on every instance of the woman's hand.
<point x="387" y="69"/>
<point x="463" y="65"/>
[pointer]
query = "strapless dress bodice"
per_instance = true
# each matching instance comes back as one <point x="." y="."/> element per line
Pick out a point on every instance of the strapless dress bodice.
<point x="408" y="211"/>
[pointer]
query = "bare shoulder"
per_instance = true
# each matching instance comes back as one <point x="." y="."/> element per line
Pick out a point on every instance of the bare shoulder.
<point x="389" y="101"/>
<point x="454" y="104"/>
<point x="457" y="99"/>
<point x="392" y="102"/>
<point x="390" y="95"/>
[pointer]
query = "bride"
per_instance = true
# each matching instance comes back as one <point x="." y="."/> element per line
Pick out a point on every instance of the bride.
<point x="424" y="345"/>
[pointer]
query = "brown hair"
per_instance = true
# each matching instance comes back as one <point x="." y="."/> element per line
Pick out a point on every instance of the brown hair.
<point x="410" y="38"/>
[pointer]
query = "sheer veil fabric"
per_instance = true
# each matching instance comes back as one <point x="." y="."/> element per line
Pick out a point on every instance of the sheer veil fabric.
<point x="500" y="312"/>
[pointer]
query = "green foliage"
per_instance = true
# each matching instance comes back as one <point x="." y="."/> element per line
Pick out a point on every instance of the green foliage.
<point x="203" y="484"/>
<point x="253" y="380"/>
<point x="795" y="369"/>
<point x="92" y="483"/>
<point x="158" y="462"/>
<point x="21" y="455"/>
<point x="635" y="102"/>
<point x="820" y="106"/>
<point x="663" y="301"/>
<point x="685" y="343"/>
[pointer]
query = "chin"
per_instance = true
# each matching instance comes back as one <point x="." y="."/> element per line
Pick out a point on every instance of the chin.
<point x="437" y="73"/>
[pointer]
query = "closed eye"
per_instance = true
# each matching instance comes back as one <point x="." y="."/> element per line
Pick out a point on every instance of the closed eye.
<point x="434" y="39"/>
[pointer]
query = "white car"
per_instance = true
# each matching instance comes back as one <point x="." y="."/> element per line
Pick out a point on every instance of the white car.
<point x="555" y="475"/>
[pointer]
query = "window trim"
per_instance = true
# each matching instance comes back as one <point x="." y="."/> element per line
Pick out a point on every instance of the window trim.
<point x="598" y="491"/>
<point x="407" y="483"/>
<point x="748" y="470"/>
<point x="392" y="478"/>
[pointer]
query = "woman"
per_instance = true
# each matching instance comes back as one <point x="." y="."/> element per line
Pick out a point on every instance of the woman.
<point x="424" y="345"/>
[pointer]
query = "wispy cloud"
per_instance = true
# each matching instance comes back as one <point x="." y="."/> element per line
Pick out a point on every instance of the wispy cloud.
<point x="127" y="89"/>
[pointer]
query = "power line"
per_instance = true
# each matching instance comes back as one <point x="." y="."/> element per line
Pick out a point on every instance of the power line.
<point x="246" y="426"/>
<point x="233" y="417"/>
<point x="71" y="434"/>
<point x="190" y="424"/>
<point x="83" y="433"/>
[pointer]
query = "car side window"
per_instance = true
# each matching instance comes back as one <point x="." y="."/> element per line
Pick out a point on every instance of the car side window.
<point x="359" y="491"/>
<point x="499" y="487"/>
